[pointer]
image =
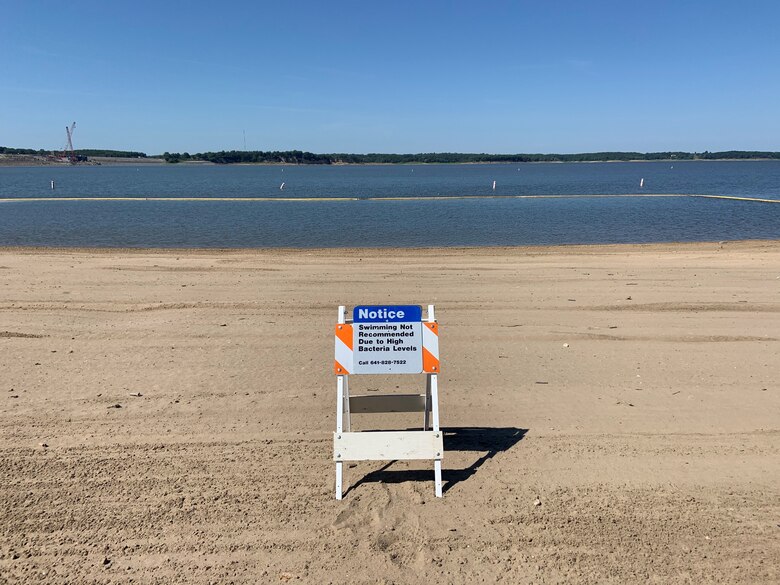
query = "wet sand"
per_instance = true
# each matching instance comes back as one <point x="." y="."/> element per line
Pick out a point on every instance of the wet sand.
<point x="612" y="415"/>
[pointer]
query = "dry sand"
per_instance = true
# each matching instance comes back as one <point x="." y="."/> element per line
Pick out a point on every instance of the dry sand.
<point x="651" y="442"/>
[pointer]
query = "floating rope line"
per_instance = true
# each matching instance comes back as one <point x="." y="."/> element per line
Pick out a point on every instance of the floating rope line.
<point x="342" y="199"/>
<point x="734" y="198"/>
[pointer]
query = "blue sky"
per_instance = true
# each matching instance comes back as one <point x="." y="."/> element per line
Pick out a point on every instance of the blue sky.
<point x="499" y="77"/>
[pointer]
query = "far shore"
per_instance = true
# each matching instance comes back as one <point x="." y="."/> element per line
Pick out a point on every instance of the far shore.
<point x="42" y="161"/>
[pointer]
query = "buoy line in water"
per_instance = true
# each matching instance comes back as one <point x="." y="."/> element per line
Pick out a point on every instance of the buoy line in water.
<point x="343" y="199"/>
<point x="735" y="198"/>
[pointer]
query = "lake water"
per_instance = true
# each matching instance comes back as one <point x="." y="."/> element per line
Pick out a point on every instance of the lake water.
<point x="477" y="221"/>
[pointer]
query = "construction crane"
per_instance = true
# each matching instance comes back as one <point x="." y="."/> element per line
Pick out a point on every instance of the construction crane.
<point x="69" y="152"/>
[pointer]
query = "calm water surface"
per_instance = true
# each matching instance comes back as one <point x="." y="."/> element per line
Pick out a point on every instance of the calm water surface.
<point x="453" y="222"/>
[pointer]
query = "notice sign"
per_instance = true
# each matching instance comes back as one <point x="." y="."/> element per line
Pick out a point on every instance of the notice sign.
<point x="387" y="339"/>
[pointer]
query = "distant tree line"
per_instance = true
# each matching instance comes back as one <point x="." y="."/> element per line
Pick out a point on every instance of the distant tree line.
<point x="84" y="152"/>
<point x="302" y="157"/>
<point x="309" y="158"/>
<point x="737" y="154"/>
<point x="7" y="150"/>
<point x="254" y="156"/>
<point x="110" y="153"/>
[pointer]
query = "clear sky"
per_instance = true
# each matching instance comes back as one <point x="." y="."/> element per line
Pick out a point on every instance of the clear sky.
<point x="422" y="76"/>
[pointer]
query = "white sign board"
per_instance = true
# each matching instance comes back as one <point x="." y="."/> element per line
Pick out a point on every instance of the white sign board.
<point x="387" y="339"/>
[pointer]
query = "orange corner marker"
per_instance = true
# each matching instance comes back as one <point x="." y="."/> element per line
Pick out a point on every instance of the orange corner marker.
<point x="344" y="333"/>
<point x="430" y="362"/>
<point x="430" y="350"/>
<point x="342" y="363"/>
<point x="338" y="369"/>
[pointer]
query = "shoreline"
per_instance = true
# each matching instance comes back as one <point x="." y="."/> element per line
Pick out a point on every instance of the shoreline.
<point x="528" y="250"/>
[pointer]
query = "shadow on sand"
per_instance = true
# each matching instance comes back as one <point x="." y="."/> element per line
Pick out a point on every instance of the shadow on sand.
<point x="487" y="440"/>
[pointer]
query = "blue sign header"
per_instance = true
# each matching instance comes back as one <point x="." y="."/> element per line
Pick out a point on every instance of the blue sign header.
<point x="386" y="314"/>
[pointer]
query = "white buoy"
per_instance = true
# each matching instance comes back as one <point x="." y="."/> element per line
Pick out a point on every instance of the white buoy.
<point x="52" y="184"/>
<point x="494" y="185"/>
<point x="281" y="187"/>
<point x="641" y="183"/>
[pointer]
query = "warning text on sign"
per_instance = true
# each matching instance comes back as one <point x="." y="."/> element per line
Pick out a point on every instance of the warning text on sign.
<point x="388" y="348"/>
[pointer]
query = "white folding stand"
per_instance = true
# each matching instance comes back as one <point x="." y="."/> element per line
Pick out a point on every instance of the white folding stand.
<point x="389" y="445"/>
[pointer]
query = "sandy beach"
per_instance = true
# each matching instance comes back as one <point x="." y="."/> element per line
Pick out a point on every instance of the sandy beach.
<point x="612" y="415"/>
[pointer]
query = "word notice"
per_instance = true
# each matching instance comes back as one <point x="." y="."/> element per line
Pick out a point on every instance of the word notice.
<point x="387" y="339"/>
